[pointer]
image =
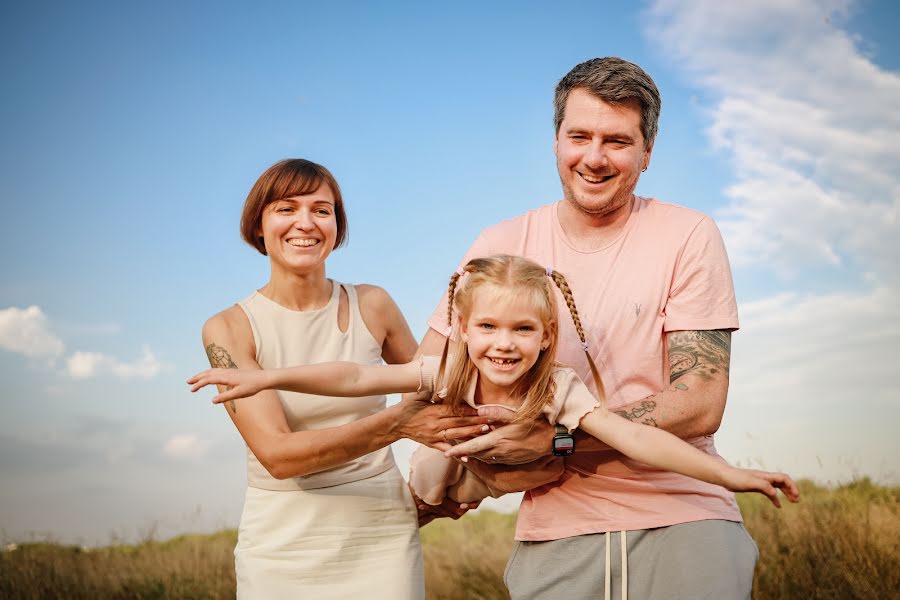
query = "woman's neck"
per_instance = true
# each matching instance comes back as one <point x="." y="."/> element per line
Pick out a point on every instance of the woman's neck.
<point x="299" y="291"/>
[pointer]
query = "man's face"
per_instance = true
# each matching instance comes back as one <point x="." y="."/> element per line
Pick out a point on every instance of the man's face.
<point x="600" y="153"/>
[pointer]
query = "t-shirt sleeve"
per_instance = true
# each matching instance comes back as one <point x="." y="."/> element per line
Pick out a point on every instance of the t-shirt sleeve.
<point x="702" y="292"/>
<point x="571" y="401"/>
<point x="438" y="321"/>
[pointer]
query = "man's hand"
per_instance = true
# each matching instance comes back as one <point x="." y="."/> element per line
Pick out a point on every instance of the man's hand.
<point x="510" y="443"/>
<point x="447" y="508"/>
<point x="434" y="424"/>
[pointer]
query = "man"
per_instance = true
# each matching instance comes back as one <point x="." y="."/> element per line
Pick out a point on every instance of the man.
<point x="653" y="286"/>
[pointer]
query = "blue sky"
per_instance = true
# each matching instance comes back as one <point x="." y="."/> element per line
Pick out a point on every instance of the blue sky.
<point x="131" y="135"/>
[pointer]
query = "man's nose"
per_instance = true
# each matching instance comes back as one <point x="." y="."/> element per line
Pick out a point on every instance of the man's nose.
<point x="596" y="157"/>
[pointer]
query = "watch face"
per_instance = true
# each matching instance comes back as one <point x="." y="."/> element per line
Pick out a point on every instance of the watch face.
<point x="563" y="445"/>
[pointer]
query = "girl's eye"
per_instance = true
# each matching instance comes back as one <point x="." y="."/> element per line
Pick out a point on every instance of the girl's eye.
<point x="526" y="328"/>
<point x="487" y="326"/>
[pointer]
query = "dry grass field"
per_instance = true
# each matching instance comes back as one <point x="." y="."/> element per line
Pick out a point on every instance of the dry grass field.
<point x="838" y="543"/>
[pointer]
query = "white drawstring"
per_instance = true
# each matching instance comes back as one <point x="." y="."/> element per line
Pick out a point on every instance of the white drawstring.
<point x="607" y="579"/>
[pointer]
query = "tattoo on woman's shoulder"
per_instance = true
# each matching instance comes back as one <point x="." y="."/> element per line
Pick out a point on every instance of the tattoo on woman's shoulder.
<point x="220" y="359"/>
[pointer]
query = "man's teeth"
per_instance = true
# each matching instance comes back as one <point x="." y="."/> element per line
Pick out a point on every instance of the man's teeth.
<point x="592" y="179"/>
<point x="303" y="243"/>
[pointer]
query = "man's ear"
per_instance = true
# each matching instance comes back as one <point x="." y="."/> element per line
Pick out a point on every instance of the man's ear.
<point x="648" y="151"/>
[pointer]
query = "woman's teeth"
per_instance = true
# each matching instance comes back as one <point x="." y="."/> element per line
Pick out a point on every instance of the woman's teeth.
<point x="302" y="243"/>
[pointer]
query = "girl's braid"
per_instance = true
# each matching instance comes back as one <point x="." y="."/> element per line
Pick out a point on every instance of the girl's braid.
<point x="442" y="367"/>
<point x="566" y="291"/>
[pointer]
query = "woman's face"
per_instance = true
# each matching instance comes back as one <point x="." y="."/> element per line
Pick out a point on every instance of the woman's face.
<point x="299" y="232"/>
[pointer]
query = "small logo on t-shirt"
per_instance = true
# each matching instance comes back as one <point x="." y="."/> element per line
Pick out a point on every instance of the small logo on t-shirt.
<point x="637" y="309"/>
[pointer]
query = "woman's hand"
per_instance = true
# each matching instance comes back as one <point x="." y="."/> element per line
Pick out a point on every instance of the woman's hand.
<point x="241" y="383"/>
<point x="763" y="482"/>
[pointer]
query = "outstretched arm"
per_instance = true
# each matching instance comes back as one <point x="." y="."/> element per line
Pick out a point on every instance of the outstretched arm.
<point x="665" y="451"/>
<point x="691" y="406"/>
<point x="344" y="379"/>
<point x="285" y="453"/>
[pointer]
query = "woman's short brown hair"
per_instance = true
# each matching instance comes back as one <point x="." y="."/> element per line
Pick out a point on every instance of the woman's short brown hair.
<point x="285" y="179"/>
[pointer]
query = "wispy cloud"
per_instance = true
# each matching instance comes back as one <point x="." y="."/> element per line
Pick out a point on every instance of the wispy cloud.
<point x="186" y="446"/>
<point x="812" y="127"/>
<point x="84" y="365"/>
<point x="811" y="123"/>
<point x="27" y="331"/>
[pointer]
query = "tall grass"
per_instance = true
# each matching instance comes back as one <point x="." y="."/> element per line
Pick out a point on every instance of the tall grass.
<point x="837" y="543"/>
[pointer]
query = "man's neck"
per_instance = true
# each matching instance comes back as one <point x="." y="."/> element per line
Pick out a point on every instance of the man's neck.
<point x="588" y="232"/>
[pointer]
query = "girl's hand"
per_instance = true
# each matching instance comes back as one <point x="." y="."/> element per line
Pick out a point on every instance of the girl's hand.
<point x="242" y="383"/>
<point x="763" y="482"/>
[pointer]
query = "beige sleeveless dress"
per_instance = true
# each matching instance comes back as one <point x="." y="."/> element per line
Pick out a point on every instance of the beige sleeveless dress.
<point x="350" y="531"/>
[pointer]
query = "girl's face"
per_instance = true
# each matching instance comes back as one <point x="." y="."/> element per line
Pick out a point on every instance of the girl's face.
<point x="505" y="336"/>
<point x="299" y="232"/>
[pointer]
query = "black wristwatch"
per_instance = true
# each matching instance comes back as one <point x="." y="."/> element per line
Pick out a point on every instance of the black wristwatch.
<point x="563" y="442"/>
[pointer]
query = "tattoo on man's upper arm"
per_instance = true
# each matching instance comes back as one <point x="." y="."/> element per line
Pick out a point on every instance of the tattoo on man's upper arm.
<point x="220" y="359"/>
<point x="705" y="353"/>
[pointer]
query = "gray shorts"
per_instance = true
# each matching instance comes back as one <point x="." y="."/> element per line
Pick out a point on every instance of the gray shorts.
<point x="705" y="559"/>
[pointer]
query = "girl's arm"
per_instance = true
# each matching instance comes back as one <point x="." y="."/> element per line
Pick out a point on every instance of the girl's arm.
<point x="663" y="450"/>
<point x="345" y="379"/>
<point x="228" y="340"/>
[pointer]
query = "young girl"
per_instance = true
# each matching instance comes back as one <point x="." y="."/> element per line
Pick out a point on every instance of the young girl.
<point x="506" y="357"/>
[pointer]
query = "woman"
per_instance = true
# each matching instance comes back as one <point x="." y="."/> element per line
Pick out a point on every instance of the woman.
<point x="326" y="514"/>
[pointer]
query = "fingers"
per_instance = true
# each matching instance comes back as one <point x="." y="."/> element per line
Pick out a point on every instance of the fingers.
<point x="464" y="433"/>
<point x="473" y="446"/>
<point x="497" y="413"/>
<point x="787" y="485"/>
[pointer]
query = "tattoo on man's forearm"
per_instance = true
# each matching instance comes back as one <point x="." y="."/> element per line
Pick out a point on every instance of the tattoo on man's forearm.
<point x="650" y="421"/>
<point x="220" y="359"/>
<point x="705" y="353"/>
<point x="645" y="407"/>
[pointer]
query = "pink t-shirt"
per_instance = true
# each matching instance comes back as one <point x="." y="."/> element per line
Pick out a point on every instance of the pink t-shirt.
<point x="434" y="477"/>
<point x="666" y="271"/>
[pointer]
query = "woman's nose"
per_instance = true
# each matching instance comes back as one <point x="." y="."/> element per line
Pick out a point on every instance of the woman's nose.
<point x="303" y="220"/>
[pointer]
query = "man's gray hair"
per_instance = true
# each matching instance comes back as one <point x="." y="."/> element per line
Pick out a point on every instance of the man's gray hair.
<point x="614" y="81"/>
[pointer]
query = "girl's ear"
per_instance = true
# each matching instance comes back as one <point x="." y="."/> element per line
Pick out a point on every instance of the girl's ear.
<point x="548" y="334"/>
<point x="463" y="331"/>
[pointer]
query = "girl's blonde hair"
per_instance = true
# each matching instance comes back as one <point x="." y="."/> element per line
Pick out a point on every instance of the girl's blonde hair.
<point x="522" y="278"/>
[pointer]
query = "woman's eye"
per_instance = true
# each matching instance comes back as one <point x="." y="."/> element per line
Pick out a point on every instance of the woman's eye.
<point x="324" y="212"/>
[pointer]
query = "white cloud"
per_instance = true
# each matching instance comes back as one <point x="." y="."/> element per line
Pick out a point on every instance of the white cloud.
<point x="814" y="388"/>
<point x="811" y="123"/>
<point x="27" y="331"/>
<point x="185" y="447"/>
<point x="84" y="365"/>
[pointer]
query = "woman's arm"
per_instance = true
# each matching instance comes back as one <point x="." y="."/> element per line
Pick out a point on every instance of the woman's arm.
<point x="663" y="450"/>
<point x="262" y="423"/>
